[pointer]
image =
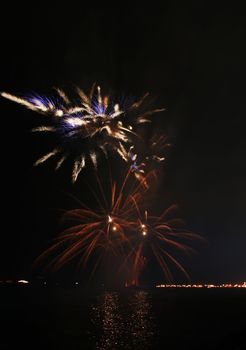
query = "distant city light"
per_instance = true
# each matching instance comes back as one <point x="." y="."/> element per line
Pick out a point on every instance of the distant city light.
<point x="23" y="281"/>
<point x="224" y="285"/>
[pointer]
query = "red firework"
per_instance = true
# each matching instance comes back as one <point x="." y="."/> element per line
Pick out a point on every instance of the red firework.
<point x="108" y="229"/>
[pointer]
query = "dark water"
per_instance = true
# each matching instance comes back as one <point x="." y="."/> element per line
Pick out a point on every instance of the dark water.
<point x="72" y="318"/>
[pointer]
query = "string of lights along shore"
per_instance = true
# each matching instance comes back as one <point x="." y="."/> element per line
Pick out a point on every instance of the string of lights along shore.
<point x="92" y="128"/>
<point x="196" y="286"/>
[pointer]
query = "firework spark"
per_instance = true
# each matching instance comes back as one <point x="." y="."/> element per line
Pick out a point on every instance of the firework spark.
<point x="160" y="236"/>
<point x="157" y="148"/>
<point x="107" y="229"/>
<point x="131" y="158"/>
<point x="88" y="128"/>
<point x="117" y="227"/>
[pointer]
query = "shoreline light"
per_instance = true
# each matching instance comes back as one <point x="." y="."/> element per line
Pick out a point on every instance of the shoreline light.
<point x="208" y="286"/>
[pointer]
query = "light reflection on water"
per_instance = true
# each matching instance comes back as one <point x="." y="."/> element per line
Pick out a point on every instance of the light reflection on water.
<point x="123" y="323"/>
<point x="142" y="320"/>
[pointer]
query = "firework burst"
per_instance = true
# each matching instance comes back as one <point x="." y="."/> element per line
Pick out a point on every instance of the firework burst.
<point x="107" y="229"/>
<point x="159" y="237"/>
<point x="117" y="227"/>
<point x="92" y="126"/>
<point x="87" y="127"/>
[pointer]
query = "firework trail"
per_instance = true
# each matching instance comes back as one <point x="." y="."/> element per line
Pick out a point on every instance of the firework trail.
<point x="107" y="229"/>
<point x="92" y="126"/>
<point x="159" y="236"/>
<point x="117" y="227"/>
<point x="87" y="128"/>
<point x="131" y="158"/>
<point x="157" y="147"/>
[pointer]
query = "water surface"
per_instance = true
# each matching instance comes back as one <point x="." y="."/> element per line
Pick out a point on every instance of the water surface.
<point x="72" y="318"/>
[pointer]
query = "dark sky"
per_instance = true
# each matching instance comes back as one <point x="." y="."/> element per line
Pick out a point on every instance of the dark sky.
<point x="190" y="57"/>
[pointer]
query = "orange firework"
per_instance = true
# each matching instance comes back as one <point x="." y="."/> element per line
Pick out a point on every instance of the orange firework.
<point x="159" y="236"/>
<point x="117" y="227"/>
<point x="108" y="229"/>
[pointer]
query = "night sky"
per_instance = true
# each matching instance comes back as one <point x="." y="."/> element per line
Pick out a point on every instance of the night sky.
<point x="191" y="58"/>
